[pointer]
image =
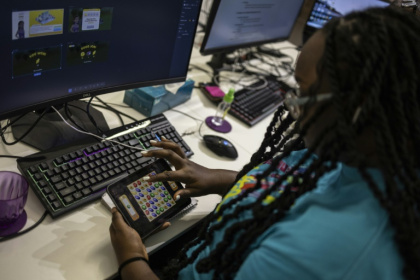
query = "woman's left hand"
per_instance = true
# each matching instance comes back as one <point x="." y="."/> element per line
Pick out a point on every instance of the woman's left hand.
<point x="125" y="240"/>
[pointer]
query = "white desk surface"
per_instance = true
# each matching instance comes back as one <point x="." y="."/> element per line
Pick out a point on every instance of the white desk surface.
<point x="77" y="245"/>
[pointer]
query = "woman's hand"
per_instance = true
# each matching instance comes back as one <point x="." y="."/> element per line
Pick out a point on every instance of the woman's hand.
<point x="127" y="244"/>
<point x="125" y="240"/>
<point x="198" y="179"/>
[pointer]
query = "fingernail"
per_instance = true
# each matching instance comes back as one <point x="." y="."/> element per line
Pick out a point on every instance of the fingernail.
<point x="163" y="137"/>
<point x="146" y="178"/>
<point x="177" y="197"/>
<point x="143" y="152"/>
<point x="153" y="141"/>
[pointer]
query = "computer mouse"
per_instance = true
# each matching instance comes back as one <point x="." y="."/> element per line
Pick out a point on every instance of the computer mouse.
<point x="220" y="146"/>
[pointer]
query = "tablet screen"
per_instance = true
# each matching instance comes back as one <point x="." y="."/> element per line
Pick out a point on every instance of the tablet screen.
<point x="153" y="199"/>
<point x="146" y="205"/>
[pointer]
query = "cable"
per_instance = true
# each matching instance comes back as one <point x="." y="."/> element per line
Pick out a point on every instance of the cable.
<point x="117" y="112"/>
<point x="192" y="66"/>
<point x="199" y="129"/>
<point x="196" y="119"/>
<point x="9" y="123"/>
<point x="94" y="135"/>
<point x="9" y="156"/>
<point x="13" y="235"/>
<point x="185" y="114"/>
<point x="114" y="104"/>
<point x="68" y="115"/>
<point x="26" y="133"/>
<point x="90" y="116"/>
<point x="217" y="79"/>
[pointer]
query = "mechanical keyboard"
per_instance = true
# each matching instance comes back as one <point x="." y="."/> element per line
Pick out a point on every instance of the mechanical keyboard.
<point x="67" y="177"/>
<point x="251" y="106"/>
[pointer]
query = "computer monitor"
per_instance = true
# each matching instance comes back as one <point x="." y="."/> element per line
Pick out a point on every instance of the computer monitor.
<point x="54" y="52"/>
<point x="324" y="10"/>
<point x="236" y="24"/>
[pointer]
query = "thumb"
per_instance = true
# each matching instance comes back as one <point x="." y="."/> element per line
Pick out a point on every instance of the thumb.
<point x="181" y="193"/>
<point x="165" y="226"/>
<point x="186" y="192"/>
<point x="117" y="219"/>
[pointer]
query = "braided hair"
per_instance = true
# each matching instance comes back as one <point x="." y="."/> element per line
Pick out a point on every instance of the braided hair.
<point x="372" y="61"/>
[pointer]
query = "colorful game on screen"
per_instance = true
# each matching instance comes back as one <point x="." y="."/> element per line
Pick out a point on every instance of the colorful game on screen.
<point x="153" y="198"/>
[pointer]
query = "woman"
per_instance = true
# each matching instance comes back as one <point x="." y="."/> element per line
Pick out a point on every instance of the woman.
<point x="346" y="206"/>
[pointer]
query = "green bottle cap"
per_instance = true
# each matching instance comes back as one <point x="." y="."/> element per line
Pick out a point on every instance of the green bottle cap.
<point x="229" y="96"/>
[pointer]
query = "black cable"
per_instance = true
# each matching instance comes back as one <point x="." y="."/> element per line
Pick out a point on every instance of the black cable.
<point x="10" y="123"/>
<point x="192" y="66"/>
<point x="115" y="111"/>
<point x="68" y="115"/>
<point x="113" y="104"/>
<point x="4" y="128"/>
<point x="9" y="156"/>
<point x="26" y="133"/>
<point x="13" y="235"/>
<point x="98" y="130"/>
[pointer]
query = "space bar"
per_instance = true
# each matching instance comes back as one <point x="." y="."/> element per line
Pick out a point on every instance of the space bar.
<point x="104" y="184"/>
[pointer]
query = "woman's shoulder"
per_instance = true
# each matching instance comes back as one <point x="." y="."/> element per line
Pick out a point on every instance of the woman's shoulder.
<point x="309" y="246"/>
<point x="354" y="236"/>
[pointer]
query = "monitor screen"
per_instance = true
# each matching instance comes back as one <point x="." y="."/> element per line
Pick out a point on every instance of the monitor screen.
<point x="237" y="24"/>
<point x="324" y="10"/>
<point x="56" y="51"/>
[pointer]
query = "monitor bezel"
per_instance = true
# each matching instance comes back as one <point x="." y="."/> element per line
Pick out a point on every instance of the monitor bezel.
<point x="87" y="94"/>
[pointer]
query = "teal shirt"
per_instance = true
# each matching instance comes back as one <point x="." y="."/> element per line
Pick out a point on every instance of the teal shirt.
<point x="336" y="231"/>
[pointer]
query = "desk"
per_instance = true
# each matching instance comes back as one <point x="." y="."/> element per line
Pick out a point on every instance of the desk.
<point x="77" y="245"/>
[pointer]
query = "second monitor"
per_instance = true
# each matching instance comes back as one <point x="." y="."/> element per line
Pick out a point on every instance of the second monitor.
<point x="240" y="24"/>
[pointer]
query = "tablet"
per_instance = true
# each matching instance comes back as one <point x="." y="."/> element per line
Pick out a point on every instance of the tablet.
<point x="146" y="206"/>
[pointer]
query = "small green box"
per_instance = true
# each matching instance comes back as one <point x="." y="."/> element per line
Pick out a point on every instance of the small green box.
<point x="151" y="101"/>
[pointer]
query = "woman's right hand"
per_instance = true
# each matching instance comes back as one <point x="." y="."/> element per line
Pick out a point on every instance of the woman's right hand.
<point x="198" y="179"/>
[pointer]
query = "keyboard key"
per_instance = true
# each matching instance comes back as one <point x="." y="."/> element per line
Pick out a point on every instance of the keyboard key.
<point x="56" y="205"/>
<point x="52" y="197"/>
<point x="68" y="199"/>
<point x="67" y="191"/>
<point x="77" y="195"/>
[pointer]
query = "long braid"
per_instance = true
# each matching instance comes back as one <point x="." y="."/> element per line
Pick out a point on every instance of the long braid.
<point x="206" y="233"/>
<point x="406" y="222"/>
<point x="398" y="203"/>
<point x="387" y="99"/>
<point x="265" y="216"/>
<point x="206" y="236"/>
<point x="269" y="140"/>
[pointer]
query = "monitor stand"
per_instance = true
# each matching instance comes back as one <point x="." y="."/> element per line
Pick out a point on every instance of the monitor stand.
<point x="52" y="131"/>
<point x="217" y="61"/>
